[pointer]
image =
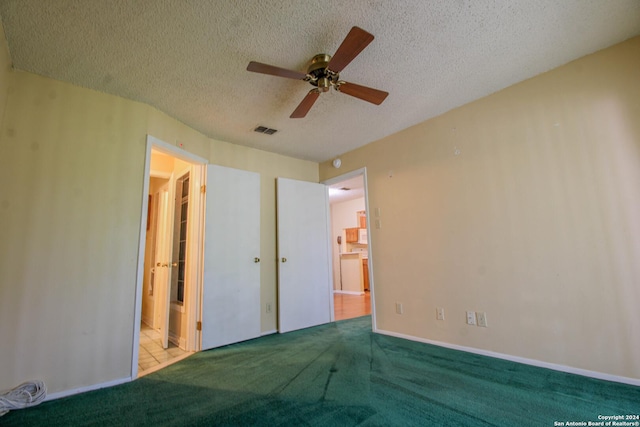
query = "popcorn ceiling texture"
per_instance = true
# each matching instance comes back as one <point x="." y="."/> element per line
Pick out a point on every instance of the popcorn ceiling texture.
<point x="189" y="58"/>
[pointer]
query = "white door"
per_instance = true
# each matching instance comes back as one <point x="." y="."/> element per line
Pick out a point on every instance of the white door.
<point x="162" y="274"/>
<point x="231" y="283"/>
<point x="304" y="279"/>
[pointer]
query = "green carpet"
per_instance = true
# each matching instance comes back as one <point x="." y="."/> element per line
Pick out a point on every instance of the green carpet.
<point x="340" y="374"/>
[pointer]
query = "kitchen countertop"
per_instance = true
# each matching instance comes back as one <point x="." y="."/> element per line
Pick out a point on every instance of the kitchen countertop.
<point x="364" y="254"/>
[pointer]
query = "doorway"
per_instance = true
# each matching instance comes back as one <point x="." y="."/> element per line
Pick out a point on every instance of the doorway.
<point x="352" y="279"/>
<point x="166" y="292"/>
<point x="164" y="312"/>
<point x="221" y="271"/>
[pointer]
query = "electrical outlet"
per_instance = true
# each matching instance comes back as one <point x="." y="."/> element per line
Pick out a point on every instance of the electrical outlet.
<point x="440" y="313"/>
<point x="399" y="309"/>
<point x="482" y="319"/>
<point x="471" y="317"/>
<point x="268" y="307"/>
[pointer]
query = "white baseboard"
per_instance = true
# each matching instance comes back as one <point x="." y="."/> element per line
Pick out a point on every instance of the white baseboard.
<point x="78" y="390"/>
<point x="147" y="321"/>
<point x="518" y="359"/>
<point x="181" y="342"/>
<point x="348" y="292"/>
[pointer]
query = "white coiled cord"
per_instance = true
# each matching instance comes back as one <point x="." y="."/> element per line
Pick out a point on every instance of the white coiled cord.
<point x="27" y="394"/>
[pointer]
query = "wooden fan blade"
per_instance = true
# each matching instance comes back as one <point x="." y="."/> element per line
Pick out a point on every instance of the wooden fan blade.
<point x="258" y="67"/>
<point x="306" y="104"/>
<point x="368" y="94"/>
<point x="353" y="44"/>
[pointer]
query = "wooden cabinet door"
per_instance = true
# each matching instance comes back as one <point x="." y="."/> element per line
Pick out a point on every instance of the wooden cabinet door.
<point x="365" y="274"/>
<point x="352" y="235"/>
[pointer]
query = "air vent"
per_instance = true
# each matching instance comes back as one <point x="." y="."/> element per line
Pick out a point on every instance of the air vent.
<point x="265" y="130"/>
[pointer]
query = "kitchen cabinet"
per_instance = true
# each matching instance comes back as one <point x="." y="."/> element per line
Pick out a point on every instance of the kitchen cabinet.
<point x="362" y="219"/>
<point x="351" y="272"/>
<point x="365" y="274"/>
<point x="352" y="235"/>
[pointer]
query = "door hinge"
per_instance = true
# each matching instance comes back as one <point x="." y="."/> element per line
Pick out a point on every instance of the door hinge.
<point x="199" y="326"/>
<point x="203" y="189"/>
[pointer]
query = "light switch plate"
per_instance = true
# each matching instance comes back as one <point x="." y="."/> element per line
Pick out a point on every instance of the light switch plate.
<point x="482" y="319"/>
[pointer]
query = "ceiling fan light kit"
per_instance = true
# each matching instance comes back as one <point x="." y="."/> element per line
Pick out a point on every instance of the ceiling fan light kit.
<point x="324" y="70"/>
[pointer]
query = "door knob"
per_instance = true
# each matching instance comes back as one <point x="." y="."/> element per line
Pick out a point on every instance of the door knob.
<point x="256" y="259"/>
<point x="284" y="259"/>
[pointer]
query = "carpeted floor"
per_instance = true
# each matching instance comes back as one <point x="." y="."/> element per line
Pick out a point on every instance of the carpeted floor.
<point x="340" y="374"/>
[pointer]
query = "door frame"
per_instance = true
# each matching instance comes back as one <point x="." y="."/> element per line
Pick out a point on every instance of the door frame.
<point x="348" y="175"/>
<point x="194" y="273"/>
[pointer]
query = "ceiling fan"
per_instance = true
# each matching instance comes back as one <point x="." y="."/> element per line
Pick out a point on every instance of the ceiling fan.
<point x="324" y="73"/>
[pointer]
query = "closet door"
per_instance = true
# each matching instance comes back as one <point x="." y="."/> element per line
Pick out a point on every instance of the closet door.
<point x="231" y="288"/>
<point x="304" y="262"/>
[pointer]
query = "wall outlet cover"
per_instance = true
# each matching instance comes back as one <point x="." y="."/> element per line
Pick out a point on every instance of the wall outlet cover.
<point x="471" y="317"/>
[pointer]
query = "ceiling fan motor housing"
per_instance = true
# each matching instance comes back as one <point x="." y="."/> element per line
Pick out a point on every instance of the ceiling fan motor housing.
<point x="322" y="78"/>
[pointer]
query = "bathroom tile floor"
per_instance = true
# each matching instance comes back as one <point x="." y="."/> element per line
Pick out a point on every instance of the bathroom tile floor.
<point x="152" y="356"/>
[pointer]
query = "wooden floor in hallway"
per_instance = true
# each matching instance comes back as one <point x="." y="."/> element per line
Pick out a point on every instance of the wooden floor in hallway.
<point x="348" y="306"/>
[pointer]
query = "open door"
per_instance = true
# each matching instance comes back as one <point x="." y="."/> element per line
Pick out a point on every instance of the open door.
<point x="231" y="281"/>
<point x="162" y="268"/>
<point x="304" y="266"/>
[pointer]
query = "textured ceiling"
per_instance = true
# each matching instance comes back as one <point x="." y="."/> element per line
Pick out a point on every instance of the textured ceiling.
<point x="188" y="58"/>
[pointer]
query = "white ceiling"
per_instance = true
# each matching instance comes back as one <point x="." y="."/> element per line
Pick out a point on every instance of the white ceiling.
<point x="189" y="58"/>
<point x="349" y="189"/>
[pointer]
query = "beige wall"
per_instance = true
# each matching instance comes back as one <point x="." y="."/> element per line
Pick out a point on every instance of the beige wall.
<point x="72" y="161"/>
<point x="72" y="164"/>
<point x="5" y="71"/>
<point x="524" y="205"/>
